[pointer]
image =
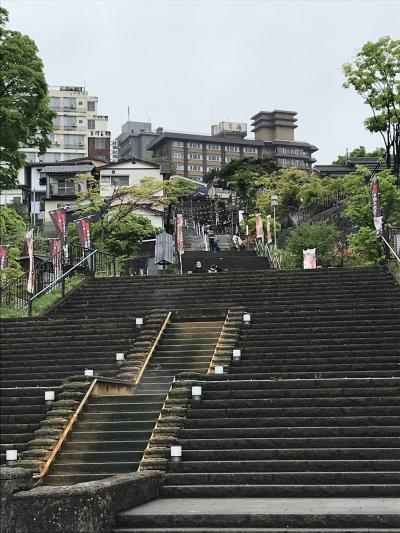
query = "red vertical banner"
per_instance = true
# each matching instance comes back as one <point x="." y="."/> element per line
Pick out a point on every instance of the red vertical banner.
<point x="55" y="254"/>
<point x="259" y="227"/>
<point x="179" y="233"/>
<point x="4" y="249"/>
<point x="376" y="205"/>
<point x="83" y="229"/>
<point x="29" y="244"/>
<point x="59" y="218"/>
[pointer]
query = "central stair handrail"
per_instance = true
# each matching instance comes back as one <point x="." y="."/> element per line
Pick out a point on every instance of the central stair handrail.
<point x="214" y="355"/>
<point x="153" y="347"/>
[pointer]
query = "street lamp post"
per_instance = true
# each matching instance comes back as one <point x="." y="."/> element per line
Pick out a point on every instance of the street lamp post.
<point x="274" y="203"/>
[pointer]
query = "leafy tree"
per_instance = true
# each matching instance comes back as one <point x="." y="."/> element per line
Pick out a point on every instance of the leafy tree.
<point x="375" y="76"/>
<point x="24" y="111"/>
<point x="245" y="183"/>
<point x="287" y="184"/>
<point x="361" y="151"/>
<point x="12" y="227"/>
<point x="114" y="216"/>
<point x="319" y="235"/>
<point x="359" y="209"/>
<point x="12" y="232"/>
<point x="257" y="165"/>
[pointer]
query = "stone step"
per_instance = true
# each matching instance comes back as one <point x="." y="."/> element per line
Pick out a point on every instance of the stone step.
<point x="282" y="491"/>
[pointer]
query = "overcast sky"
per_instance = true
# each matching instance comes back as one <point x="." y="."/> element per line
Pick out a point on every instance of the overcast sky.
<point x="179" y="61"/>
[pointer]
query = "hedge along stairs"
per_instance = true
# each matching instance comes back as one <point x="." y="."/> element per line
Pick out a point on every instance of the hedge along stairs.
<point x="40" y="354"/>
<point x="112" y="431"/>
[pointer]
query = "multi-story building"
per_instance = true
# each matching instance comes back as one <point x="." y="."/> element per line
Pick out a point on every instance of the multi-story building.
<point x="195" y="155"/>
<point x="79" y="131"/>
<point x="134" y="139"/>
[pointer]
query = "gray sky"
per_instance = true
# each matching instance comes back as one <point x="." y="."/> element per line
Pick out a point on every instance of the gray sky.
<point x="173" y="61"/>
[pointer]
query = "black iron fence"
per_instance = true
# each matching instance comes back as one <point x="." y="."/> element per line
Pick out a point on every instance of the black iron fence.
<point x="54" y="272"/>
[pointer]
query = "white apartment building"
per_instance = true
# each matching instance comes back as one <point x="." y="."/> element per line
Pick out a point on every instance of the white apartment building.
<point x="79" y="131"/>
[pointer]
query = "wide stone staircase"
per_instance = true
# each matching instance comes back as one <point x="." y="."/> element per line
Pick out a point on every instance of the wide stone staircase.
<point x="112" y="431"/>
<point x="273" y="290"/>
<point x="296" y="436"/>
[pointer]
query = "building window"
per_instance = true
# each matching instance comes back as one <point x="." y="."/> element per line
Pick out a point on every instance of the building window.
<point x="283" y="150"/>
<point x="177" y="155"/>
<point x="116" y="181"/>
<point x="69" y="122"/>
<point x="178" y="144"/>
<point x="99" y="144"/>
<point x="282" y="162"/>
<point x="180" y="167"/>
<point x="196" y="168"/>
<point x="56" y="122"/>
<point x="195" y="156"/>
<point x="213" y="147"/>
<point x="55" y="139"/>
<point x="213" y="158"/>
<point x="231" y="148"/>
<point x="55" y="102"/>
<point x="91" y="105"/>
<point x="250" y="150"/>
<point x="194" y="145"/>
<point x="74" y="141"/>
<point x="91" y="124"/>
<point x="69" y="103"/>
<point x="228" y="158"/>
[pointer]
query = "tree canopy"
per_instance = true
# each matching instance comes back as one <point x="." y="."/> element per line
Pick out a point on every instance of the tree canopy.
<point x="25" y="116"/>
<point x="375" y="76"/>
<point x="12" y="232"/>
<point x="116" y="227"/>
<point x="361" y="151"/>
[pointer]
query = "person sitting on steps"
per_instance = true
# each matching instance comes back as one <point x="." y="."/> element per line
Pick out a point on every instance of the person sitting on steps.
<point x="213" y="269"/>
<point x="198" y="268"/>
<point x="237" y="243"/>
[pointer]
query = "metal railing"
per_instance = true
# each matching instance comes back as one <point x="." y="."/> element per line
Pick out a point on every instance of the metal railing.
<point x="54" y="272"/>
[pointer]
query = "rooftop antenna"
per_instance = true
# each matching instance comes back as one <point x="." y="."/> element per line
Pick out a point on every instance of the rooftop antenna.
<point x="129" y="113"/>
<point x="211" y="113"/>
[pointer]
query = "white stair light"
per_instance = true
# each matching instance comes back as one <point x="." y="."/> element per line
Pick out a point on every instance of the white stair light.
<point x="11" y="457"/>
<point x="49" y="396"/>
<point x="89" y="372"/>
<point x="120" y="357"/>
<point x="219" y="369"/>
<point x="176" y="453"/>
<point x="196" y="392"/>
<point x="246" y="318"/>
<point x="236" y="354"/>
<point x="139" y="322"/>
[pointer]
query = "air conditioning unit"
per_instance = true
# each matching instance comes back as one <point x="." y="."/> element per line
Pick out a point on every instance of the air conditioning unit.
<point x="56" y="143"/>
<point x="81" y="144"/>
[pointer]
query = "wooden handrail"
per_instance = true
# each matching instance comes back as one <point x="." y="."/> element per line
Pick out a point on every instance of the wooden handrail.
<point x="65" y="433"/>
<point x="218" y="343"/>
<point x="154" y="346"/>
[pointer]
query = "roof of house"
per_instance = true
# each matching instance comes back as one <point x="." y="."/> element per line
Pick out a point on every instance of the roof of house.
<point x="129" y="160"/>
<point x="67" y="169"/>
<point x="82" y="160"/>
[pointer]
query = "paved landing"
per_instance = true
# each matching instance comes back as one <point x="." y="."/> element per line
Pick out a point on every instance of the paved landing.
<point x="201" y="506"/>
